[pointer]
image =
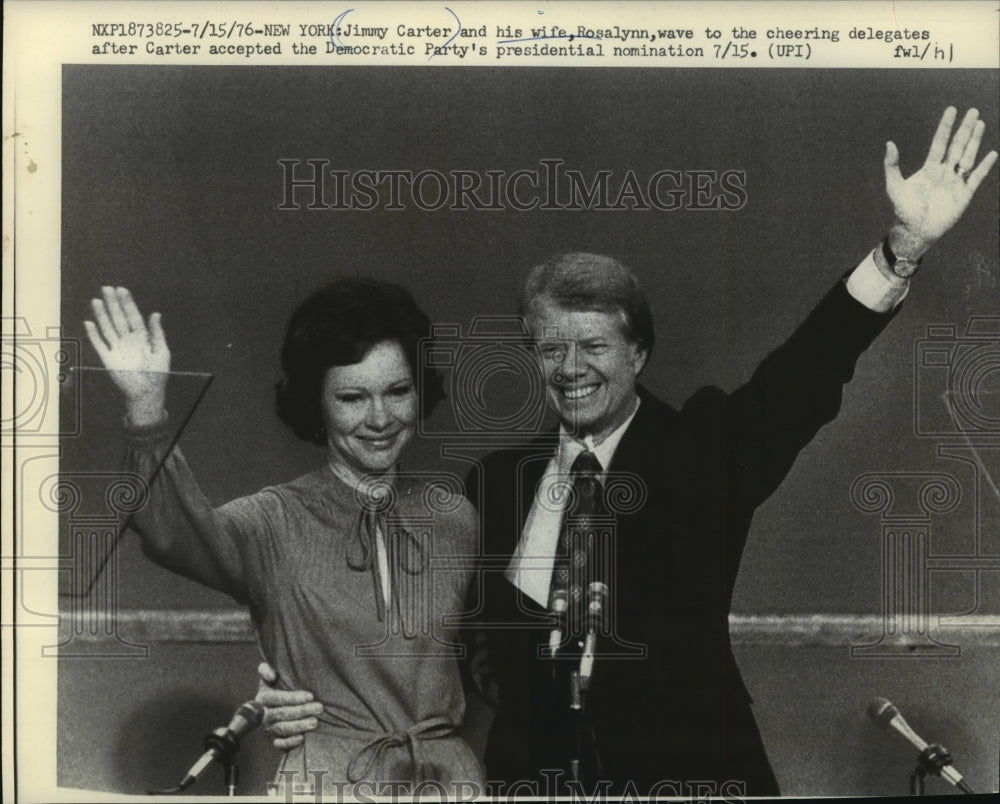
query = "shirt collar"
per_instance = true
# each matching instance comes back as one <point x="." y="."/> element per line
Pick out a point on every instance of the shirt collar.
<point x="570" y="447"/>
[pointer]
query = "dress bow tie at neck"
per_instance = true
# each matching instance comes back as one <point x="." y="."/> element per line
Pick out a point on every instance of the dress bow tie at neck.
<point x="404" y="555"/>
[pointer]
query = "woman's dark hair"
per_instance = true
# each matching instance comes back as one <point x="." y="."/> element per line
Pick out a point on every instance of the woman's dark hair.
<point x="336" y="326"/>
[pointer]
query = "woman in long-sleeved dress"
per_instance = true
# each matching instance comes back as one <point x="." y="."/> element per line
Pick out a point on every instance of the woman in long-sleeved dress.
<point x="351" y="571"/>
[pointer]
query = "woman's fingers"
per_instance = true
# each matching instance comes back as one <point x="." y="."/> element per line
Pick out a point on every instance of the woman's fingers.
<point x="108" y="331"/>
<point x="96" y="340"/>
<point x="114" y="309"/>
<point x="157" y="340"/>
<point x="118" y="318"/>
<point x="130" y="311"/>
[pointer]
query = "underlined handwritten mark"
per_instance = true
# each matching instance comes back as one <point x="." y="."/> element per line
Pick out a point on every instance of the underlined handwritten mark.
<point x="570" y="37"/>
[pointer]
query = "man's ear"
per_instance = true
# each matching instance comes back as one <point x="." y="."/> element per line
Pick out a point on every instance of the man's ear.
<point x="639" y="360"/>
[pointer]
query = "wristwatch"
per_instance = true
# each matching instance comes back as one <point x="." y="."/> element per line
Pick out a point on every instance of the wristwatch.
<point x="903" y="267"/>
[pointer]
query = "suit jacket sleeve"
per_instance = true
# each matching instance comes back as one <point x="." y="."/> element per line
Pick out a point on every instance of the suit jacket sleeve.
<point x="795" y="391"/>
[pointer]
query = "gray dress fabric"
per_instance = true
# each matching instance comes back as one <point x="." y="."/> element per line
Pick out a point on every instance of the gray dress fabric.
<point x="302" y="556"/>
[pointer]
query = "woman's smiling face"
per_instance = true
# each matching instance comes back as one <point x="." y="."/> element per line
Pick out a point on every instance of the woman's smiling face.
<point x="369" y="410"/>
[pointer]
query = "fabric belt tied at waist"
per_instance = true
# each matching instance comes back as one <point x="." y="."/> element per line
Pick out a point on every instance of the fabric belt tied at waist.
<point x="369" y="757"/>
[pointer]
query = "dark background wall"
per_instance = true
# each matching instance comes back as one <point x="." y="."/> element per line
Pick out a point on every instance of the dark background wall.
<point x="171" y="186"/>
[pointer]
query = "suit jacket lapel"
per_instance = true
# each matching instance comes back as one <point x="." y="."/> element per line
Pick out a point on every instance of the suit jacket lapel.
<point x="644" y="441"/>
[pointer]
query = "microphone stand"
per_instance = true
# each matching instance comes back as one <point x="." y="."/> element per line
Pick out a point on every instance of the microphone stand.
<point x="576" y="713"/>
<point x="232" y="778"/>
<point x="931" y="761"/>
<point x="226" y="744"/>
<point x="579" y="682"/>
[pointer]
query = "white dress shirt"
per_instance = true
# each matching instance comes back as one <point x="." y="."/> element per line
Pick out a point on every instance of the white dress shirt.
<point x="530" y="568"/>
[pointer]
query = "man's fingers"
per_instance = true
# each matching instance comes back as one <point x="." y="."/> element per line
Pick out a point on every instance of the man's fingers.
<point x="968" y="158"/>
<point x="276" y="699"/>
<point x="287" y="703"/>
<point x="891" y="155"/>
<point x="291" y="728"/>
<point x="962" y="136"/>
<point x="267" y="673"/>
<point x="891" y="163"/>
<point x="288" y="743"/>
<point x="977" y="176"/>
<point x="940" y="142"/>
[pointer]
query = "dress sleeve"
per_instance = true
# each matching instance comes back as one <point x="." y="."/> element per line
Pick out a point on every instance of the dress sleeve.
<point x="179" y="528"/>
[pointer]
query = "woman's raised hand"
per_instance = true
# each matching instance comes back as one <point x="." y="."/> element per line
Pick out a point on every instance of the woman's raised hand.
<point x="136" y="356"/>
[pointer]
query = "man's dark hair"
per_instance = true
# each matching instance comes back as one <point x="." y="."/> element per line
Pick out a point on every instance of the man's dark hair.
<point x="337" y="326"/>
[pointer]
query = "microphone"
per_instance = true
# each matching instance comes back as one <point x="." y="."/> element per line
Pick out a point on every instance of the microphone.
<point x="557" y="606"/>
<point x="226" y="740"/>
<point x="597" y="598"/>
<point x="888" y="717"/>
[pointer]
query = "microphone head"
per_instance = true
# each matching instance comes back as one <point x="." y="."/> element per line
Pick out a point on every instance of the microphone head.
<point x="247" y="718"/>
<point x="597" y="590"/>
<point x="597" y="600"/>
<point x="882" y="711"/>
<point x="253" y="711"/>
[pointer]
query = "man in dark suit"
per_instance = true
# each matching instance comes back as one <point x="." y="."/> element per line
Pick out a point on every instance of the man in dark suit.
<point x="664" y="704"/>
<point x="666" y="701"/>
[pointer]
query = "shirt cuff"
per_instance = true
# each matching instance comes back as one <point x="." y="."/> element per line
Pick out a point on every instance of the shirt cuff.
<point x="876" y="291"/>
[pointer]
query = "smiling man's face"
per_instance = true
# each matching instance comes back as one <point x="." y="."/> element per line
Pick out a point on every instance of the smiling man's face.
<point x="590" y="366"/>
